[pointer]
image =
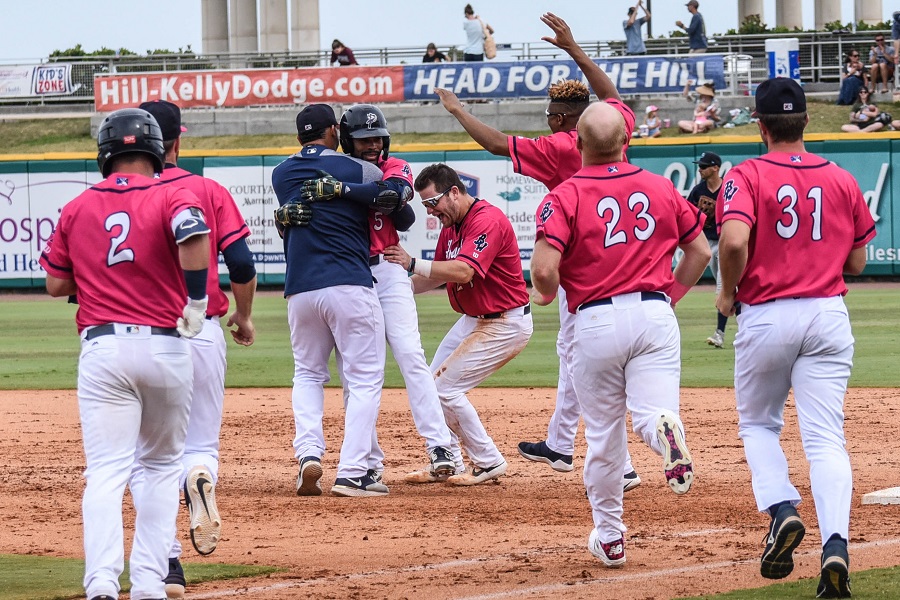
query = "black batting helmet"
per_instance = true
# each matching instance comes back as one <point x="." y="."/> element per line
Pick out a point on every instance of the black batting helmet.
<point x="364" y="121"/>
<point x="129" y="130"/>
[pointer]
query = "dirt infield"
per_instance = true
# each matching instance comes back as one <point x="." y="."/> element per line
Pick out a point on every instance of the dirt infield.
<point x="523" y="537"/>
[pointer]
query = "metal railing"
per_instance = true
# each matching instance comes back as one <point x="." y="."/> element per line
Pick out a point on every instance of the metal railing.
<point x="821" y="57"/>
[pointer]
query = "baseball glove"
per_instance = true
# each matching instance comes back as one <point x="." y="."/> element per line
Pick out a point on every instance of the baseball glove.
<point x="293" y="214"/>
<point x="325" y="187"/>
<point x="707" y="206"/>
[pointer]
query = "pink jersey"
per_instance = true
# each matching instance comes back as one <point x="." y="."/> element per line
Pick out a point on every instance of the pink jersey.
<point x="551" y="159"/>
<point x="382" y="232"/>
<point x="485" y="240"/>
<point x="812" y="216"/>
<point x="226" y="225"/>
<point x="617" y="227"/>
<point x="116" y="241"/>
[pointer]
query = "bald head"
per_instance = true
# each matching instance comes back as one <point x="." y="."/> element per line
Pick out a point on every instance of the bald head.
<point x="601" y="134"/>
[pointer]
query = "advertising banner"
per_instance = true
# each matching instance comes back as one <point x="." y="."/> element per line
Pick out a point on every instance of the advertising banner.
<point x="268" y="87"/>
<point x="39" y="80"/>
<point x="522" y="79"/>
<point x="250" y="87"/>
<point x="32" y="195"/>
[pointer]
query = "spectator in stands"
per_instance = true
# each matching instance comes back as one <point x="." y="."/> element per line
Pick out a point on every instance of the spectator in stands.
<point x="652" y="123"/>
<point x="696" y="30"/>
<point x="474" y="28"/>
<point x="634" y="42"/>
<point x="895" y="37"/>
<point x="432" y="55"/>
<point x="853" y="77"/>
<point x="341" y="54"/>
<point x="867" y="117"/>
<point x="882" y="59"/>
<point x="706" y="108"/>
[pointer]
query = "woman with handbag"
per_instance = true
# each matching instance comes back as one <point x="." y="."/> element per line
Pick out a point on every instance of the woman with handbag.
<point x="476" y="32"/>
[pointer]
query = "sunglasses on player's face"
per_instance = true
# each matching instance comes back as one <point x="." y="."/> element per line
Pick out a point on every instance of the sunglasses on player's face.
<point x="433" y="201"/>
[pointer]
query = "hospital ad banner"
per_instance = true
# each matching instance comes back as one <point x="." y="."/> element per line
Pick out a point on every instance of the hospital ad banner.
<point x="23" y="81"/>
<point x="33" y="194"/>
<point x="348" y="85"/>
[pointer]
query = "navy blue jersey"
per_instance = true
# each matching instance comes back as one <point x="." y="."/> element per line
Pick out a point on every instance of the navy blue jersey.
<point x="334" y="248"/>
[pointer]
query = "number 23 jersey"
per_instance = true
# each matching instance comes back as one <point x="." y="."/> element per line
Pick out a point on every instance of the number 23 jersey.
<point x="617" y="227"/>
<point x="805" y="216"/>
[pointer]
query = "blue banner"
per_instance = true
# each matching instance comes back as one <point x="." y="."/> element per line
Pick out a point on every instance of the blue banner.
<point x="530" y="79"/>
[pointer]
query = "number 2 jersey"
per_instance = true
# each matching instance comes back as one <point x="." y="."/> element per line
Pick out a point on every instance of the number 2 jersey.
<point x="116" y="241"/>
<point x="805" y="216"/>
<point x="617" y="227"/>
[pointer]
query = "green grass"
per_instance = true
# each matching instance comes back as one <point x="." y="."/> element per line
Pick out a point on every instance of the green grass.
<point x="45" y="352"/>
<point x="875" y="583"/>
<point x="49" y="578"/>
<point x="32" y="136"/>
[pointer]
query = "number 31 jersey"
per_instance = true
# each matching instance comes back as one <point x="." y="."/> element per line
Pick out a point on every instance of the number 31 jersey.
<point x="617" y="227"/>
<point x="116" y="241"/>
<point x="805" y="216"/>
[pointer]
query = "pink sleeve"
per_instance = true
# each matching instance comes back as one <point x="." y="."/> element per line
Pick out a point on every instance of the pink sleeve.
<point x="736" y="201"/>
<point x="627" y="114"/>
<point x="230" y="223"/>
<point x="552" y="222"/>
<point x="689" y="218"/>
<point x="55" y="257"/>
<point x="398" y="169"/>
<point x="538" y="158"/>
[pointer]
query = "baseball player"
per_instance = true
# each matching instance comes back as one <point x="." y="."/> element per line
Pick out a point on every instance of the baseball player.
<point x="551" y="160"/>
<point x="131" y="249"/>
<point x="703" y="196"/>
<point x="331" y="304"/>
<point x="793" y="326"/>
<point x="607" y="235"/>
<point x="364" y="135"/>
<point x="228" y="232"/>
<point x="477" y="256"/>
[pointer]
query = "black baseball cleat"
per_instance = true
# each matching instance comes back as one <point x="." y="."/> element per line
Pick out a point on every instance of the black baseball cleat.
<point x="835" y="580"/>
<point x="540" y="452"/>
<point x="785" y="534"/>
<point x="175" y="581"/>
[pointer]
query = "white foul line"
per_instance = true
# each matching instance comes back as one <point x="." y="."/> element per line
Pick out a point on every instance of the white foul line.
<point x="245" y="591"/>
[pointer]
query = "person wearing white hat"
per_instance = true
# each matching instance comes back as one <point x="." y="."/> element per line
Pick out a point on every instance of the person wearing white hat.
<point x="652" y="123"/>
<point x="706" y="108"/>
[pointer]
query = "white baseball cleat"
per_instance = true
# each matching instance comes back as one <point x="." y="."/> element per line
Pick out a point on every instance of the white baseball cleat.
<point x="200" y="497"/>
<point x="612" y="554"/>
<point x="677" y="463"/>
<point x="717" y="339"/>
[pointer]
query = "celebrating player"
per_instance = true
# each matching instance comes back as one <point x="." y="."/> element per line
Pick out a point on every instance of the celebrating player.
<point x="793" y="326"/>
<point x="607" y="236"/>
<point x="364" y="135"/>
<point x="131" y="249"/>
<point x="551" y="160"/>
<point x="331" y="303"/>
<point x="703" y="196"/>
<point x="477" y="256"/>
<point x="228" y="233"/>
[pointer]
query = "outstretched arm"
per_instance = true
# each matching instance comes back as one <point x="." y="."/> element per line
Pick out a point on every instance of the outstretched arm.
<point x="487" y="137"/>
<point x="600" y="82"/>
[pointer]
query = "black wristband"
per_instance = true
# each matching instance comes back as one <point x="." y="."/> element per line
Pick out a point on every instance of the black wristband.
<point x="412" y="264"/>
<point x="196" y="283"/>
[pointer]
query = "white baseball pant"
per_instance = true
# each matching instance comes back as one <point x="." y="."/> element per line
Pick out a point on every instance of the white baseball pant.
<point x="346" y="317"/>
<point x="134" y="396"/>
<point x="563" y="424"/>
<point x="471" y="351"/>
<point x="627" y="355"/>
<point x="807" y="344"/>
<point x="401" y="326"/>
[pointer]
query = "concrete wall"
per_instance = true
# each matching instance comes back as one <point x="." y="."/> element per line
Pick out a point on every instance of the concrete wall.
<point x="523" y="115"/>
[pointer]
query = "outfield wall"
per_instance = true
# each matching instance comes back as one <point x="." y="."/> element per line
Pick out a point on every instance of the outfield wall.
<point x="33" y="191"/>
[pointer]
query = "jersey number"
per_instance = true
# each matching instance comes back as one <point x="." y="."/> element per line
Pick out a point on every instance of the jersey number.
<point x="611" y="205"/>
<point x="787" y="198"/>
<point x="116" y="255"/>
<point x="377" y="221"/>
